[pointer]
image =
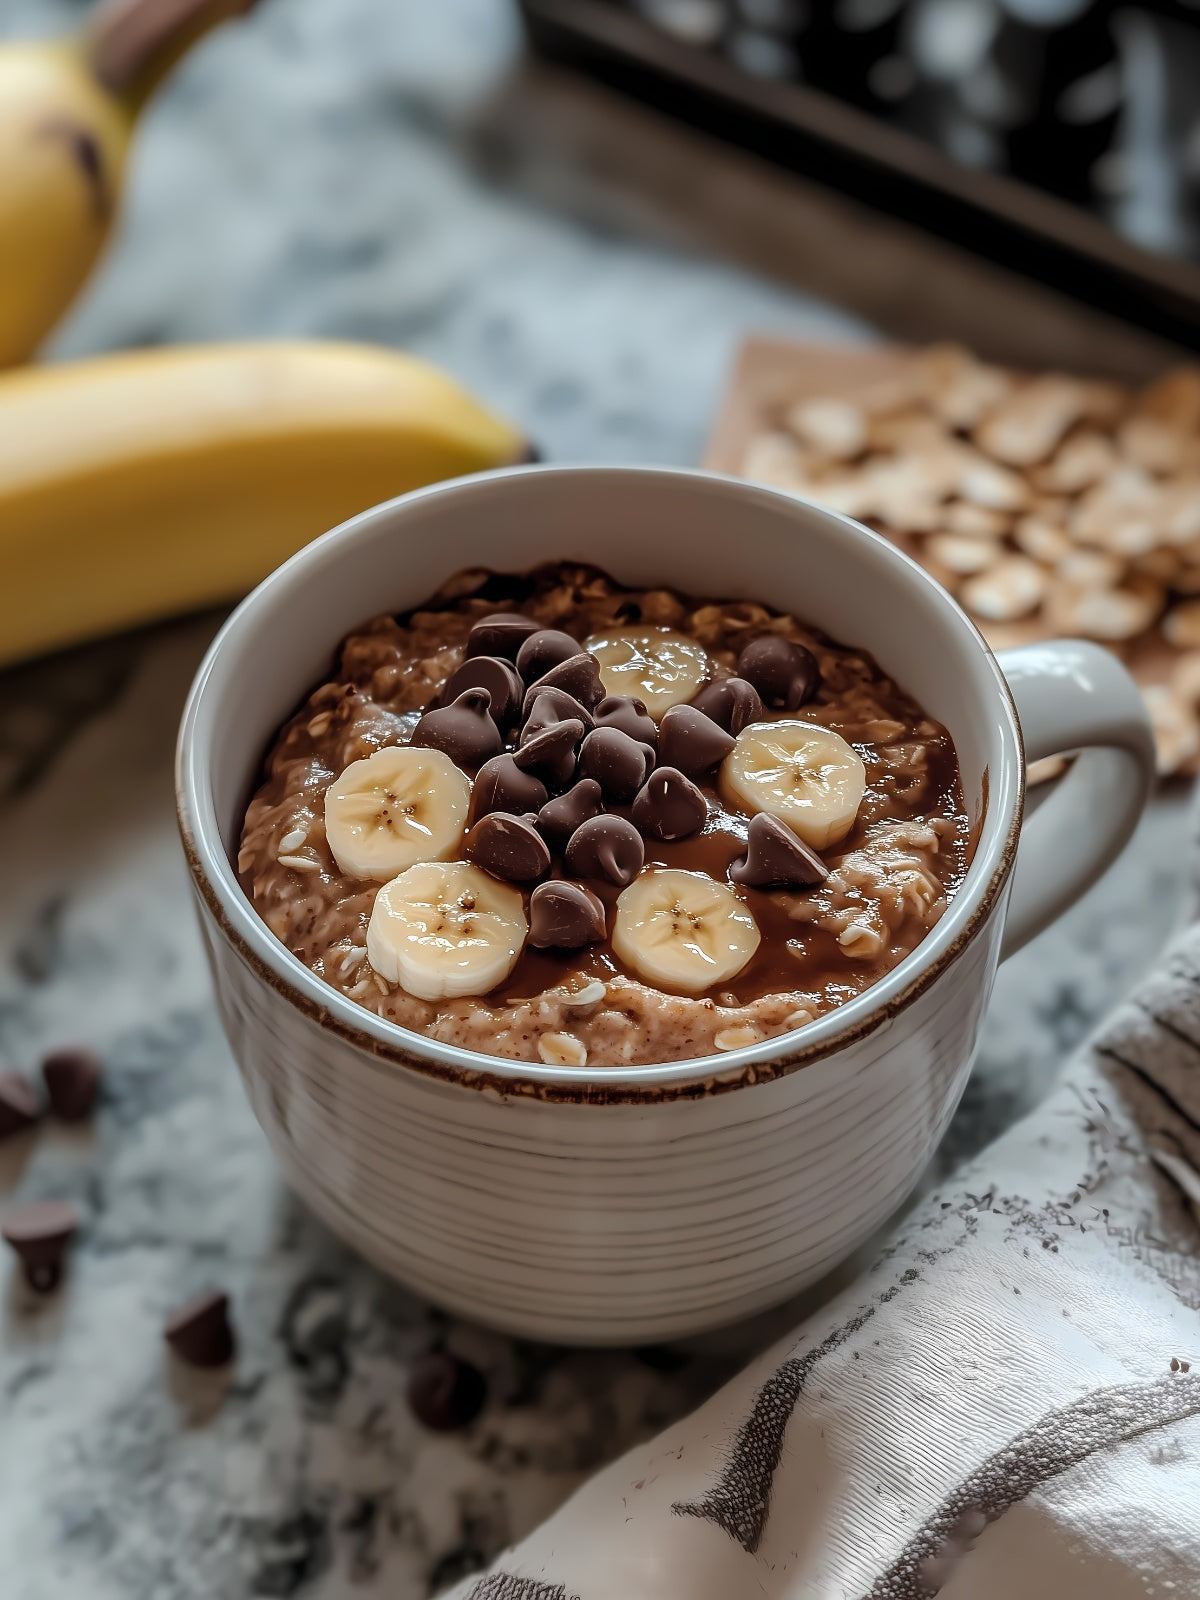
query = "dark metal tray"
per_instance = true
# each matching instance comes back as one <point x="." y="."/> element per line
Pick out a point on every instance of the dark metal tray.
<point x="857" y="153"/>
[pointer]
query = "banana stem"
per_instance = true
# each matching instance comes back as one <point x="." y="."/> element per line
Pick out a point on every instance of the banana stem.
<point x="131" y="45"/>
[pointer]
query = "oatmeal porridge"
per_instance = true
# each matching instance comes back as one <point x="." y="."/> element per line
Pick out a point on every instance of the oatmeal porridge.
<point x="555" y="819"/>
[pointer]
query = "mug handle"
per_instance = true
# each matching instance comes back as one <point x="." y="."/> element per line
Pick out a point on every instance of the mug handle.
<point x="1075" y="696"/>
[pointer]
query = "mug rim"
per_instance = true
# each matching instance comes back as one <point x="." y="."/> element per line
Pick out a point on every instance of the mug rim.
<point x="392" y="1046"/>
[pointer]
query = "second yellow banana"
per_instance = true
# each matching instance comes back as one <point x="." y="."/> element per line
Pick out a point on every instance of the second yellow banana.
<point x="137" y="485"/>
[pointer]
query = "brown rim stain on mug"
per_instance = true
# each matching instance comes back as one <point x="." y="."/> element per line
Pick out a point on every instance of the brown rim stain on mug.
<point x="586" y="1085"/>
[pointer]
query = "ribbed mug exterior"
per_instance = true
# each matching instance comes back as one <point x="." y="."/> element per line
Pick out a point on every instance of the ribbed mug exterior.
<point x="599" y="1223"/>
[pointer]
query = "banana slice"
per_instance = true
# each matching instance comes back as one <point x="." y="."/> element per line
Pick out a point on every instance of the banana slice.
<point x="399" y="806"/>
<point x="445" y="928"/>
<point x="803" y="774"/>
<point x="659" y="666"/>
<point x="683" y="931"/>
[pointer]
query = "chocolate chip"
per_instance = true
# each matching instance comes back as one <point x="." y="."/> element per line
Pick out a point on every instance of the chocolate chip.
<point x="786" y="675"/>
<point x="559" y="818"/>
<point x="545" y="706"/>
<point x="500" y="679"/>
<point x="501" y="785"/>
<point x="199" y="1331"/>
<point x="670" y="806"/>
<point x="627" y="713"/>
<point x="445" y="1393"/>
<point x="545" y="649"/>
<point x="618" y="763"/>
<point x="19" y="1106"/>
<point x="550" y="752"/>
<point x="40" y="1234"/>
<point x="692" y="741"/>
<point x="776" y="859"/>
<point x="463" y="730"/>
<point x="732" y="703"/>
<point x="510" y="848"/>
<point x="72" y="1080"/>
<point x="606" y="847"/>
<point x="578" y="676"/>
<point x="502" y="633"/>
<point x="565" y="916"/>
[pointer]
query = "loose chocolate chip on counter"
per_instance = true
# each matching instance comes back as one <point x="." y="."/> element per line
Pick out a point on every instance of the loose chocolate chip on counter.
<point x="578" y="676"/>
<point x="786" y="675"/>
<point x="628" y="714"/>
<point x="500" y="634"/>
<point x="618" y="763"/>
<point x="731" y="702"/>
<point x="670" y="806"/>
<point x="445" y="1393"/>
<point x="559" y="818"/>
<point x="546" y="706"/>
<point x="463" y="730"/>
<point x="501" y="680"/>
<point x="510" y="848"/>
<point x="545" y="649"/>
<point x="72" y="1080"/>
<point x="565" y="916"/>
<point x="199" y="1332"/>
<point x="606" y="847"/>
<point x="40" y="1233"/>
<point x="776" y="859"/>
<point x="689" y="739"/>
<point x="501" y="785"/>
<point x="550" y="752"/>
<point x="19" y="1107"/>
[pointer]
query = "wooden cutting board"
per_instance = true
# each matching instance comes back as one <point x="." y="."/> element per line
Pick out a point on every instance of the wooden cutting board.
<point x="770" y="375"/>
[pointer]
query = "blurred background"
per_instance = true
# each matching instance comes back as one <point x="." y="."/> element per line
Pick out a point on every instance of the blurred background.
<point x="1056" y="134"/>
<point x="349" y="171"/>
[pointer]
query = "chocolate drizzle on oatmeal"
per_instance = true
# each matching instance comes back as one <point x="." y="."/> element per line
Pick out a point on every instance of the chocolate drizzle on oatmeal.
<point x="889" y="879"/>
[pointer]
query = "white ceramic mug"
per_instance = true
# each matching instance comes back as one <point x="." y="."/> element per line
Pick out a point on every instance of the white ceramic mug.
<point x="606" y="1204"/>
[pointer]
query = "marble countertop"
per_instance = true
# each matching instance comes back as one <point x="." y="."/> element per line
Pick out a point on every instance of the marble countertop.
<point x="388" y="171"/>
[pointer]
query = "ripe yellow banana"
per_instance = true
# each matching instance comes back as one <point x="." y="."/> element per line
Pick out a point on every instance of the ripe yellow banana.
<point x="140" y="484"/>
<point x="67" y="110"/>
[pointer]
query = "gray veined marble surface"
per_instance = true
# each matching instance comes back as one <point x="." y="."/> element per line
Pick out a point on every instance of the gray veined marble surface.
<point x="389" y="171"/>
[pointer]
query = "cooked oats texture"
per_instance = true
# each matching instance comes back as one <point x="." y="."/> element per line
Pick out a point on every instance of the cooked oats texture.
<point x="890" y="878"/>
